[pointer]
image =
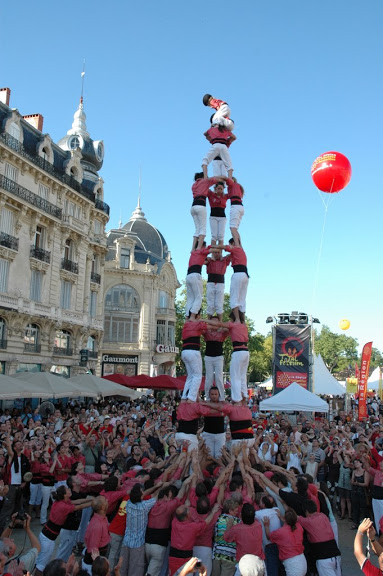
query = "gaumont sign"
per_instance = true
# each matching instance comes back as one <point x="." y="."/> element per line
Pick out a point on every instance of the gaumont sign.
<point x="161" y="349"/>
<point x="120" y="359"/>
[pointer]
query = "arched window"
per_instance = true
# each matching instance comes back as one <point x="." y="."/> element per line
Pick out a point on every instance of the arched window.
<point x="32" y="338"/>
<point x="14" y="130"/>
<point x="122" y="314"/>
<point x="68" y="249"/>
<point x="3" y="334"/>
<point x="63" y="343"/>
<point x="91" y="347"/>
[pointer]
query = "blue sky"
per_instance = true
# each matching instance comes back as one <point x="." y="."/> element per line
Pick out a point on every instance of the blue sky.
<point x="301" y="77"/>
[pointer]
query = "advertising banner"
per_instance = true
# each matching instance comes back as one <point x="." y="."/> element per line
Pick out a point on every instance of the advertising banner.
<point x="119" y="364"/>
<point x="363" y="378"/>
<point x="291" y="356"/>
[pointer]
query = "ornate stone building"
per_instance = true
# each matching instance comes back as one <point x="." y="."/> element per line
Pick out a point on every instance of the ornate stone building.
<point x="140" y="284"/>
<point x="52" y="244"/>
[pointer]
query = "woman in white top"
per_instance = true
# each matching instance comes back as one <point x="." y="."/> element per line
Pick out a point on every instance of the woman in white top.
<point x="294" y="459"/>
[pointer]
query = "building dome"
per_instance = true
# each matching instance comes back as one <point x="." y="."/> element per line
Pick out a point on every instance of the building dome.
<point x="150" y="243"/>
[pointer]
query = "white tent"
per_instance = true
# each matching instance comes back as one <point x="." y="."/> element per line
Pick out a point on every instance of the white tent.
<point x="46" y="385"/>
<point x="268" y="384"/>
<point x="294" y="397"/>
<point x="373" y="381"/>
<point x="91" y="385"/>
<point x="324" y="381"/>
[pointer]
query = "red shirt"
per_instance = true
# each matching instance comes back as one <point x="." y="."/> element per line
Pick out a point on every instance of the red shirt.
<point x="217" y="200"/>
<point x="113" y="497"/>
<point x="206" y="537"/>
<point x="60" y="510"/>
<point x="218" y="266"/>
<point x="192" y="410"/>
<point x="318" y="527"/>
<point x="198" y="257"/>
<point x="216" y="104"/>
<point x="215" y="134"/>
<point x="160" y="516"/>
<point x="370" y="570"/>
<point x="236" y="413"/>
<point x="202" y="185"/>
<point x="233" y="189"/>
<point x="238" y="255"/>
<point x="289" y="542"/>
<point x="97" y="533"/>
<point x="215" y="335"/>
<point x="248" y="539"/>
<point x="193" y="498"/>
<point x="118" y="524"/>
<point x="63" y="462"/>
<point x="184" y="534"/>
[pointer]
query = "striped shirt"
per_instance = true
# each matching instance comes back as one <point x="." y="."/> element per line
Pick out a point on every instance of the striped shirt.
<point x="136" y="522"/>
<point x="223" y="550"/>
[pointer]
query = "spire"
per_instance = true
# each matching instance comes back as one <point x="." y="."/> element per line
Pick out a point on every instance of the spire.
<point x="79" y="118"/>
<point x="138" y="213"/>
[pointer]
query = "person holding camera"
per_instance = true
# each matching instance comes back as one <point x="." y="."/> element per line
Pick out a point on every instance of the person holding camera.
<point x="17" y="464"/>
<point x="27" y="560"/>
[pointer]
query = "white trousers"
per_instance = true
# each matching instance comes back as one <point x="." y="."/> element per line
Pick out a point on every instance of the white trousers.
<point x="238" y="290"/>
<point x="236" y="214"/>
<point x="215" y="294"/>
<point x="205" y="555"/>
<point x="218" y="168"/>
<point x="155" y="558"/>
<point x="238" y="375"/>
<point x="217" y="228"/>
<point x="218" y="150"/>
<point x="222" y="117"/>
<point x="35" y="494"/>
<point x="329" y="567"/>
<point x="214" y="375"/>
<point x="214" y="443"/>
<point x="46" y="492"/>
<point x="377" y="508"/>
<point x="199" y="216"/>
<point x="295" y="566"/>
<point x="191" y="438"/>
<point x="194" y="293"/>
<point x="193" y="364"/>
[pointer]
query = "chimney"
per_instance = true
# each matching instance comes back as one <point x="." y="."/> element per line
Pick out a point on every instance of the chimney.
<point x="5" y="95"/>
<point x="35" y="120"/>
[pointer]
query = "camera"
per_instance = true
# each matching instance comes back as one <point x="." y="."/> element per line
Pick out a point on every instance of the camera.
<point x="21" y="515"/>
<point x="198" y="564"/>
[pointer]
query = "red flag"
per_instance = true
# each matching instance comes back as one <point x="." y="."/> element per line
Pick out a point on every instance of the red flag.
<point x="357" y="372"/>
<point x="363" y="377"/>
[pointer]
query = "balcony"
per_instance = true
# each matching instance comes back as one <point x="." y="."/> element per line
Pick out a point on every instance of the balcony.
<point x="58" y="351"/>
<point x="69" y="266"/>
<point x="100" y="205"/>
<point x="9" y="241"/>
<point x="40" y="254"/>
<point x="166" y="311"/>
<point x="18" y="147"/>
<point x="96" y="278"/>
<point x="32" y="347"/>
<point x="3" y="344"/>
<point x="13" y="188"/>
<point x="92" y="354"/>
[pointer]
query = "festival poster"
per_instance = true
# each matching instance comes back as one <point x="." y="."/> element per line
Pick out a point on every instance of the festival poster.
<point x="363" y="378"/>
<point x="291" y="356"/>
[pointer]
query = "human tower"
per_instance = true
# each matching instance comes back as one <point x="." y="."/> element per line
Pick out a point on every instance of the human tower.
<point x="212" y="329"/>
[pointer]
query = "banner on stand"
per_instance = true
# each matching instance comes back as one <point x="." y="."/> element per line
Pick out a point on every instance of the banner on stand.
<point x="363" y="378"/>
<point x="291" y="356"/>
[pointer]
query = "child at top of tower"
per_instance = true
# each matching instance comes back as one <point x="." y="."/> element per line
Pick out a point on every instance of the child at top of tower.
<point x="222" y="114"/>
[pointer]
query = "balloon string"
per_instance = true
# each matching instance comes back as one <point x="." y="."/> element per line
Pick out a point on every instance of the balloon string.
<point x="316" y="276"/>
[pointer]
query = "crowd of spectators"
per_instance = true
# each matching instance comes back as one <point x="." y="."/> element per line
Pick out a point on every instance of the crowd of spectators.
<point x="162" y="487"/>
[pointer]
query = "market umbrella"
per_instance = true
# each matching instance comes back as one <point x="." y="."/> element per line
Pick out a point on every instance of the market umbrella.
<point x="11" y="389"/>
<point x="46" y="385"/>
<point x="91" y="385"/>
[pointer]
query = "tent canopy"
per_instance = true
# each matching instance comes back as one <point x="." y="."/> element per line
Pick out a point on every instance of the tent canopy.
<point x="324" y="381"/>
<point x="294" y="397"/>
<point x="91" y="385"/>
<point x="373" y="381"/>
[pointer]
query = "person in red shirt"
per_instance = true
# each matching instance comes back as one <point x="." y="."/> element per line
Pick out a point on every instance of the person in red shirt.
<point x="63" y="466"/>
<point x="216" y="267"/>
<point x="220" y="139"/>
<point x="188" y="415"/>
<point x="239" y="279"/>
<point x="247" y="534"/>
<point x="191" y="356"/>
<point x="366" y="527"/>
<point x="289" y="540"/>
<point x="194" y="284"/>
<point x="97" y="535"/>
<point x="217" y="201"/>
<point x="235" y="193"/>
<point x="323" y="547"/>
<point x="200" y="190"/>
<point x="222" y="111"/>
<point x="183" y="536"/>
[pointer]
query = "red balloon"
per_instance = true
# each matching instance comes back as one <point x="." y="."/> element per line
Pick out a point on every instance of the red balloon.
<point x="331" y="172"/>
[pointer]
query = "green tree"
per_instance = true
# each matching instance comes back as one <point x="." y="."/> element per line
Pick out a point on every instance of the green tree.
<point x="339" y="352"/>
<point x="260" y="348"/>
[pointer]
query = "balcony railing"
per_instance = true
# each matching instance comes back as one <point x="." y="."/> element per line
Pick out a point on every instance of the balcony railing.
<point x="28" y="196"/>
<point x="58" y="351"/>
<point x="32" y="347"/>
<point x="96" y="278"/>
<point x="42" y="163"/>
<point x="9" y="241"/>
<point x="92" y="354"/>
<point x="100" y="205"/>
<point x="40" y="254"/>
<point x="69" y="266"/>
<point x="3" y="344"/>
